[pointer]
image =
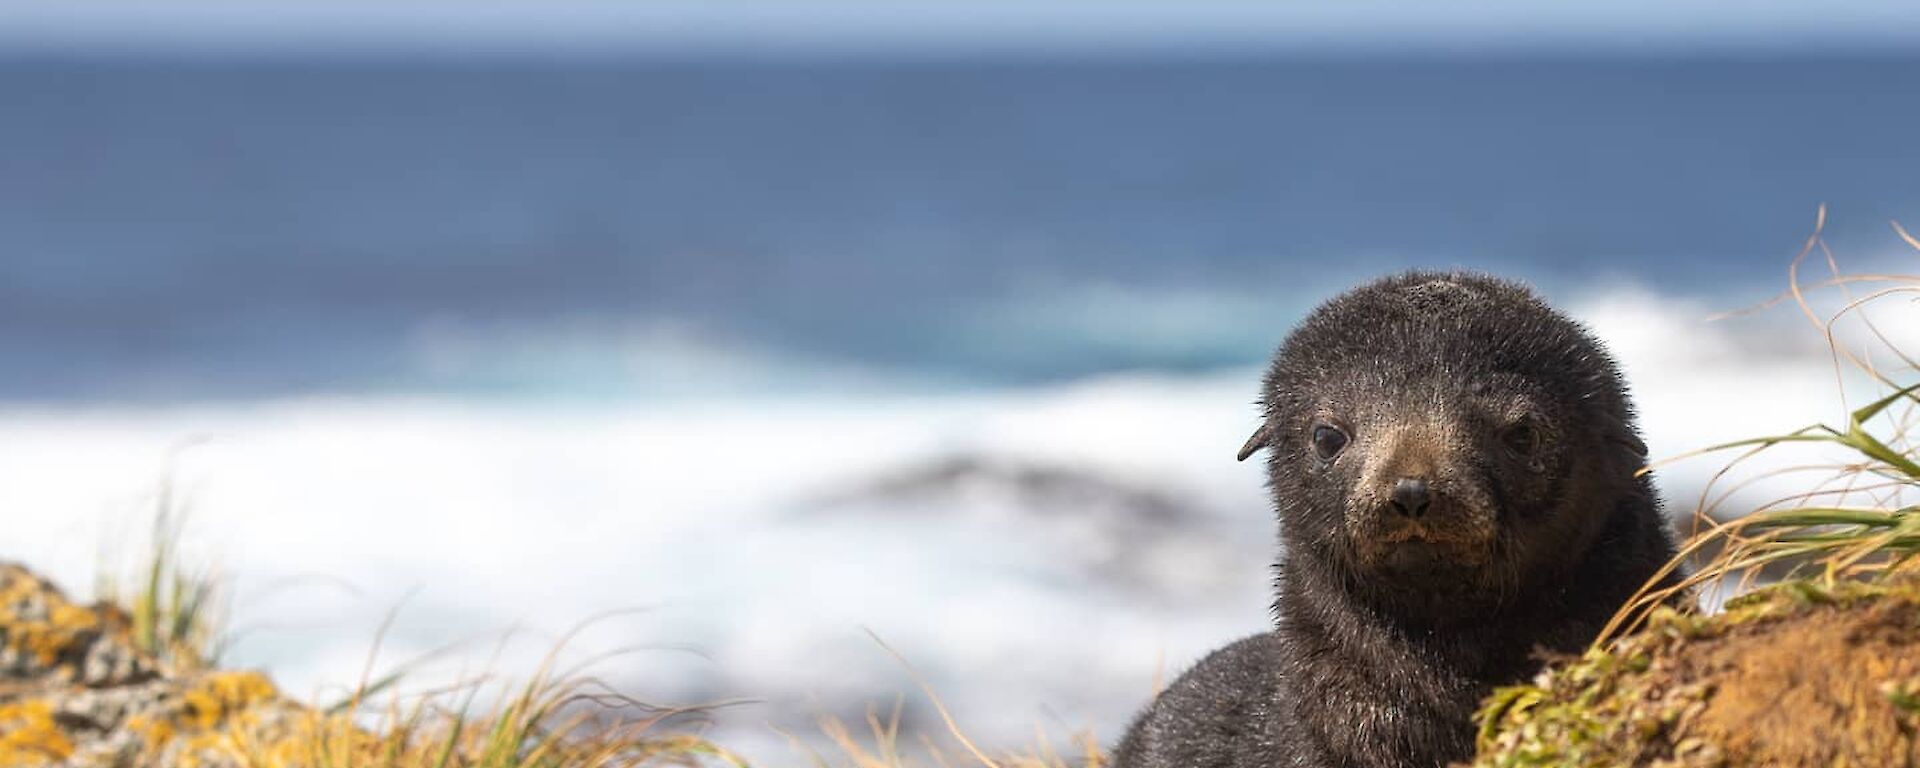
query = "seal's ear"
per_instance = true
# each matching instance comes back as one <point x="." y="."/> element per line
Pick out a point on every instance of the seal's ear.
<point x="1631" y="443"/>
<point x="1619" y="433"/>
<point x="1256" y="442"/>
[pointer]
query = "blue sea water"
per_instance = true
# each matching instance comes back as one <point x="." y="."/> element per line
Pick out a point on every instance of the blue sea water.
<point x="192" y="229"/>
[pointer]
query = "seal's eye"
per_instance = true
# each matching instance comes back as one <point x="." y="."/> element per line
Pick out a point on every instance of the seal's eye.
<point x="1328" y="440"/>
<point x="1521" y="438"/>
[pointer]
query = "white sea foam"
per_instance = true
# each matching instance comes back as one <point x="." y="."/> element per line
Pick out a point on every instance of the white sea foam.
<point x="474" y="517"/>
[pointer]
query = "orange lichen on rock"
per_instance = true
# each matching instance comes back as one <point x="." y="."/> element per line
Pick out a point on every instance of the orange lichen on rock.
<point x="46" y="637"/>
<point x="207" y="708"/>
<point x="28" y="735"/>
<point x="75" y="691"/>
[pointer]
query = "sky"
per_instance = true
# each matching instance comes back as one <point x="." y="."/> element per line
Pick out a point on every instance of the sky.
<point x="855" y="25"/>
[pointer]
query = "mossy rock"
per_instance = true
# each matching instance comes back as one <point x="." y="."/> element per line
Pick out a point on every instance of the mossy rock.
<point x="1802" y="673"/>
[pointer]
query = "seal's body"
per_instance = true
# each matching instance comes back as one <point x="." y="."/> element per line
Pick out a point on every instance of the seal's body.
<point x="1454" y="467"/>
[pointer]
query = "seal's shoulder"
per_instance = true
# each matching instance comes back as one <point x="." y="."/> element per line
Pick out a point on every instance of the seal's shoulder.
<point x="1217" y="714"/>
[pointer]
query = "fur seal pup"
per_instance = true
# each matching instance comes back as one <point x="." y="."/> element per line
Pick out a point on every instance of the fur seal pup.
<point x="1453" y="464"/>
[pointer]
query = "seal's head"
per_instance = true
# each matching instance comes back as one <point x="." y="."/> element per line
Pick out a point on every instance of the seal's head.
<point x="1440" y="441"/>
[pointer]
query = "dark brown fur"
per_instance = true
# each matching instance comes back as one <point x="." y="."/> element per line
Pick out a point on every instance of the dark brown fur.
<point x="1393" y="626"/>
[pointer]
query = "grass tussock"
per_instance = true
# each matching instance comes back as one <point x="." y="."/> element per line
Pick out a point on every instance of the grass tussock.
<point x="1817" y="661"/>
<point x="178" y="610"/>
<point x="550" y="722"/>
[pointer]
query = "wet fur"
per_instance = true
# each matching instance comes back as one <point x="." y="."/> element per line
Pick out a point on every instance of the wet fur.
<point x="1379" y="658"/>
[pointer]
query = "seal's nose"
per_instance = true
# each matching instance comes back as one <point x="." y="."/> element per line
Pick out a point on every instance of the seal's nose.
<point x="1410" y="496"/>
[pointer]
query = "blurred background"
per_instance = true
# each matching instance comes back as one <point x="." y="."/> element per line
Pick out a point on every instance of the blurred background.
<point x="781" y="320"/>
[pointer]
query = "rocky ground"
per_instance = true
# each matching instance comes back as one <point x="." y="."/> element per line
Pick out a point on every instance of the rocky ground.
<point x="76" y="690"/>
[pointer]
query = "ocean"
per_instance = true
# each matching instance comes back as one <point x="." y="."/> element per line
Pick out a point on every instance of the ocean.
<point x="957" y="350"/>
<point x="217" y="228"/>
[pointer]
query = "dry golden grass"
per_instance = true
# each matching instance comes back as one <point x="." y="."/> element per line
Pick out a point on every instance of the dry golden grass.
<point x="1816" y="667"/>
<point x="879" y="746"/>
<point x="558" y="718"/>
<point x="1853" y="520"/>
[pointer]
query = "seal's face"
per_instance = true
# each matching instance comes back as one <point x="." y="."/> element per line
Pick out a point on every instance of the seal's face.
<point x="1444" y="439"/>
<point x="1421" y="473"/>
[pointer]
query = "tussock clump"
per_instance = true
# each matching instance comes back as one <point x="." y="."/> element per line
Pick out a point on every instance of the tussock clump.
<point x="1819" y="667"/>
